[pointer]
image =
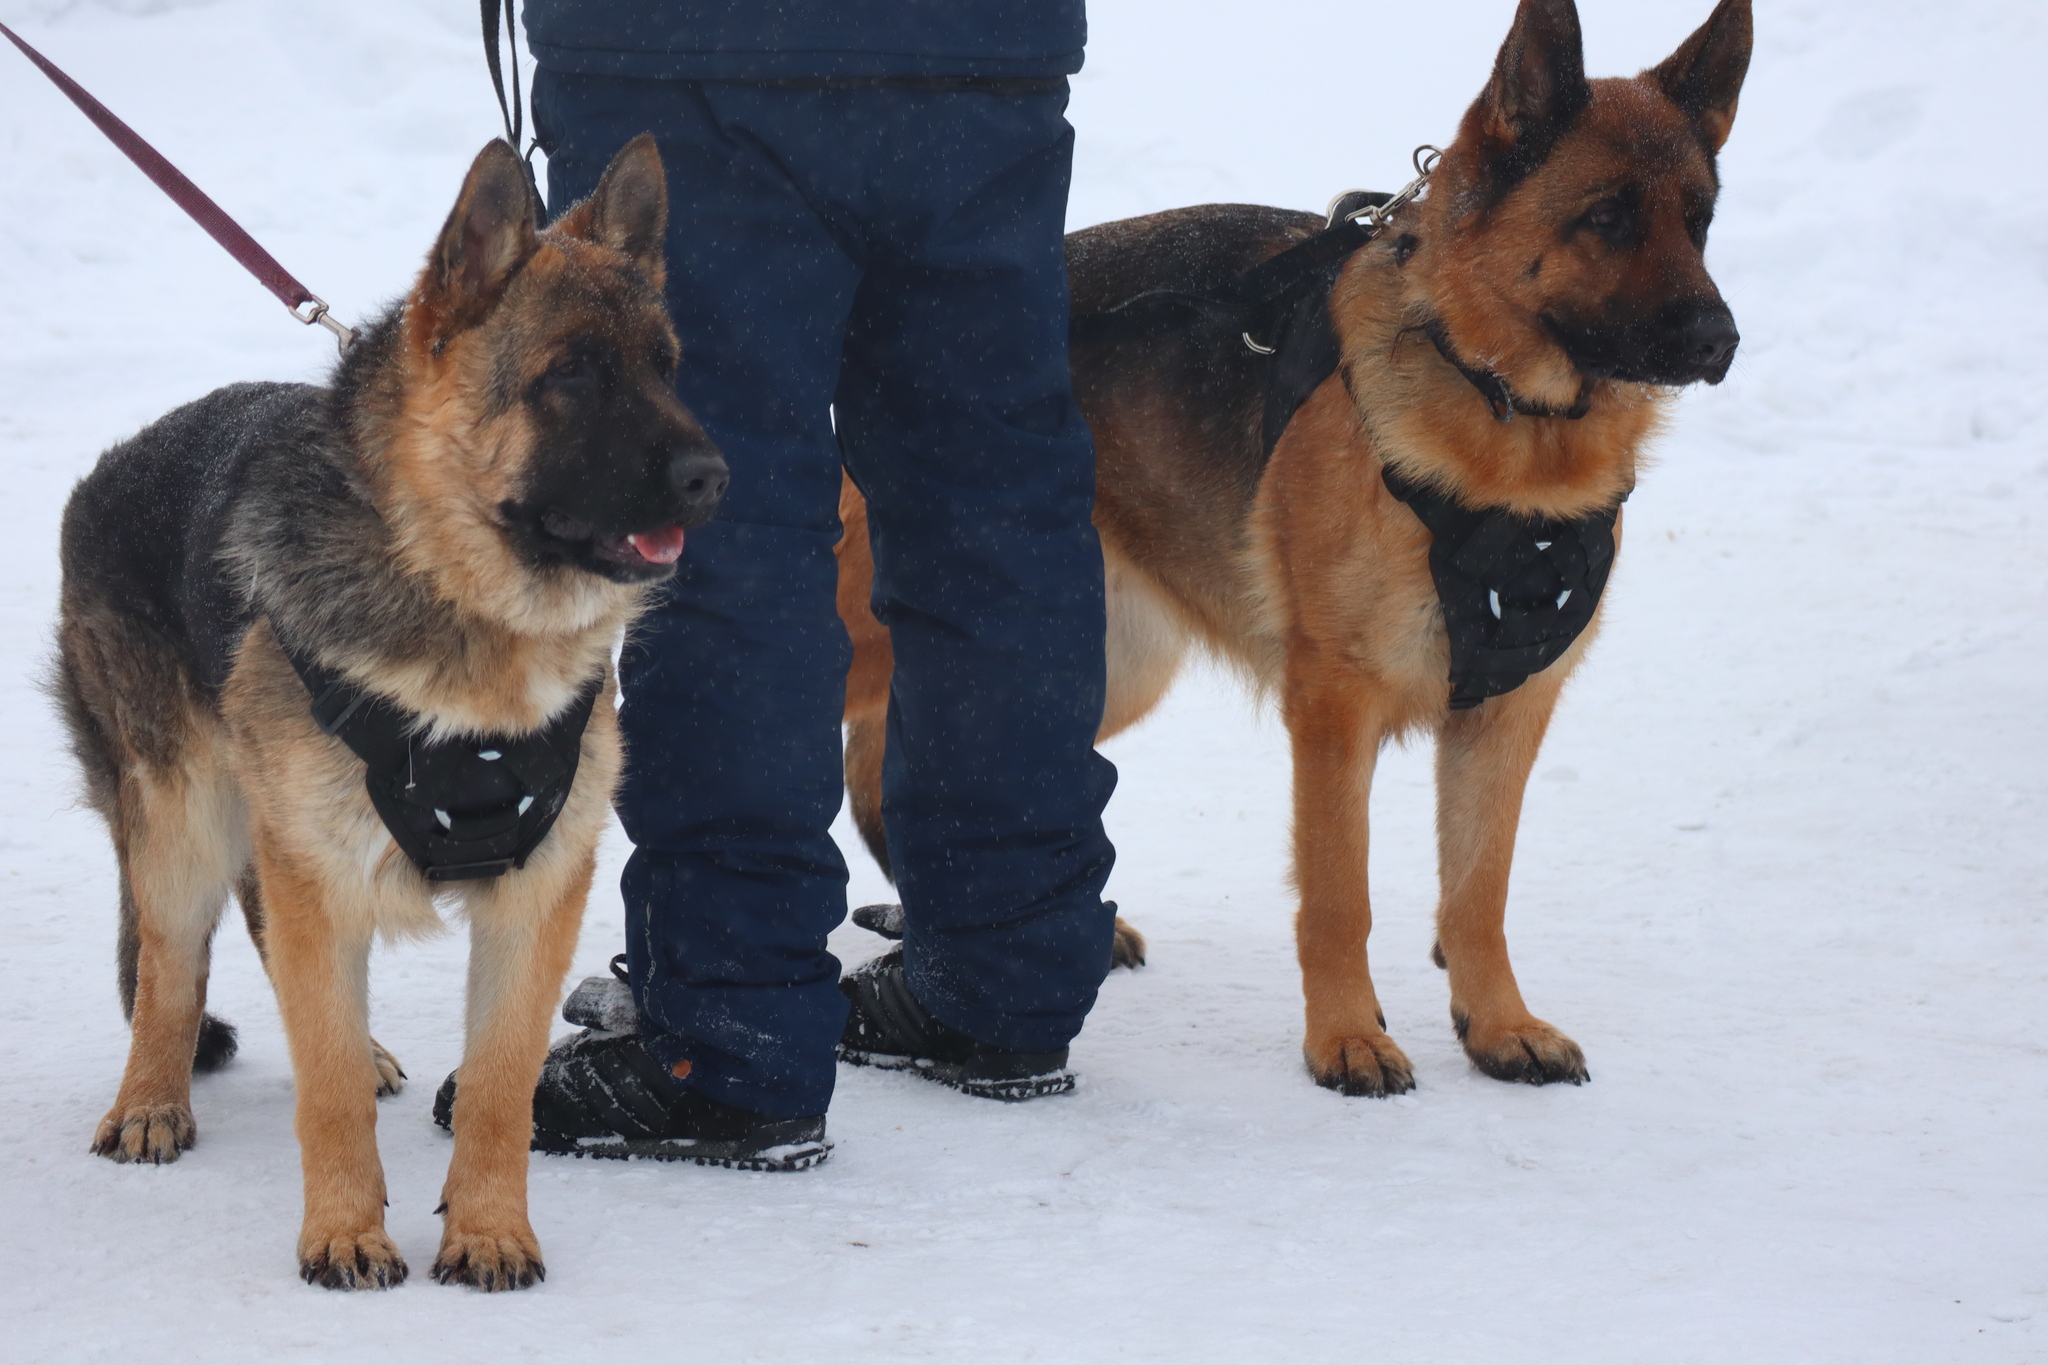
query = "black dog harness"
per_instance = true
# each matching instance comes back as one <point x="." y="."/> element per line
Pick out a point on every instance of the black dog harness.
<point x="1516" y="590"/>
<point x="462" y="809"/>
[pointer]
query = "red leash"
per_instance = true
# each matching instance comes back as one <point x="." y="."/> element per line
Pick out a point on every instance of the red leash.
<point x="189" y="197"/>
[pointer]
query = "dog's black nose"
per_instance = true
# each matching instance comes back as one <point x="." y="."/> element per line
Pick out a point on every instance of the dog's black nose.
<point x="1708" y="341"/>
<point x="699" y="475"/>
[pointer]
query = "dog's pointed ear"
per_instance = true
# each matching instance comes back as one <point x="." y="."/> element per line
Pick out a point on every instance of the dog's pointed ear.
<point x="628" y="211"/>
<point x="1704" y="77"/>
<point x="486" y="239"/>
<point x="1538" y="87"/>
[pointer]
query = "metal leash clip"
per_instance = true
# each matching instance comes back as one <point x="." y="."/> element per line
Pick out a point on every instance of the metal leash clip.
<point x="316" y="311"/>
<point x="1375" y="215"/>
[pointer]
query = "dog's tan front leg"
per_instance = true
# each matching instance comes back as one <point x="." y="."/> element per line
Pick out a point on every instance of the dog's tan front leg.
<point x="1483" y="759"/>
<point x="519" y="952"/>
<point x="320" y="969"/>
<point x="1336" y="739"/>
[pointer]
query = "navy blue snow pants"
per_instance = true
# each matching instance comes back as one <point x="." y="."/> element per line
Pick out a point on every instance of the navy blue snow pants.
<point x="890" y="258"/>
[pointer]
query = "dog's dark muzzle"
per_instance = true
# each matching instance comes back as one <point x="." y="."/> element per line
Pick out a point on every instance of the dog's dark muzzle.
<point x="1683" y="343"/>
<point x="623" y="518"/>
<point x="697" y="479"/>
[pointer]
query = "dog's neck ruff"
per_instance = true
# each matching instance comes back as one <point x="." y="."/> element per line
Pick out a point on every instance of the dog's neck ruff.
<point x="1516" y="590"/>
<point x="461" y="809"/>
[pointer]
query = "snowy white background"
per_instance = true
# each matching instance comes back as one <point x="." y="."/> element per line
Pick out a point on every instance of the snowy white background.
<point x="1781" y="873"/>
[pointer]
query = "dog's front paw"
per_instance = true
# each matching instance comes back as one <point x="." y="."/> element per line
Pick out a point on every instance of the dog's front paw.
<point x="490" y="1260"/>
<point x="390" y="1075"/>
<point x="1529" y="1051"/>
<point x="1127" y="949"/>
<point x="360" y="1260"/>
<point x="1359" y="1063"/>
<point x="154" y="1133"/>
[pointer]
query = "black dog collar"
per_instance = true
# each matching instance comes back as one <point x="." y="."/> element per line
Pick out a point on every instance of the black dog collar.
<point x="1516" y="590"/>
<point x="462" y="809"/>
<point x="1499" y="397"/>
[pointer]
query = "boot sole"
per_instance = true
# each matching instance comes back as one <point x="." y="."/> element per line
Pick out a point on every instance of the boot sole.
<point x="788" y="1156"/>
<point x="955" y="1076"/>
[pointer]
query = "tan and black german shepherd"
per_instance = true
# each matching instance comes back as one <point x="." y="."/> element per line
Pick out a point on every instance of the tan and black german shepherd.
<point x="1512" y="341"/>
<point x="456" y="531"/>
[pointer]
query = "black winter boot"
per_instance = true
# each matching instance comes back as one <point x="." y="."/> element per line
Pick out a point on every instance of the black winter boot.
<point x="888" y="1028"/>
<point x="603" y="1094"/>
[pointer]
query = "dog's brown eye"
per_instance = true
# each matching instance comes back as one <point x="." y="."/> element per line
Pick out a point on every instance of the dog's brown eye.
<point x="1613" y="219"/>
<point x="568" y="370"/>
<point x="664" y="362"/>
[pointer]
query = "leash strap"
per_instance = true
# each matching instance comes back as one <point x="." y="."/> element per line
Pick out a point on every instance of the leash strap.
<point x="189" y="197"/>
<point x="514" y="112"/>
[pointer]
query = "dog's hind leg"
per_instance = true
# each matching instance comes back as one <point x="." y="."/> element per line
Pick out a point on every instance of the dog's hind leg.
<point x="1336" y="733"/>
<point x="249" y="895"/>
<point x="1483" y="758"/>
<point x="318" y="953"/>
<point x="1145" y="646"/>
<point x="521" y="936"/>
<point x="867" y="679"/>
<point x="1145" y="649"/>
<point x="866" y="741"/>
<point x="176" y="833"/>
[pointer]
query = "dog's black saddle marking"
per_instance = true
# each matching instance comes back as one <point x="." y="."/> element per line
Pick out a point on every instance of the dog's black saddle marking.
<point x="462" y="809"/>
<point x="1282" y="303"/>
<point x="1516" y="590"/>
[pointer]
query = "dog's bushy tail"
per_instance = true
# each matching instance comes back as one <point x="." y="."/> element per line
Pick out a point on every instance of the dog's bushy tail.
<point x="218" y="1044"/>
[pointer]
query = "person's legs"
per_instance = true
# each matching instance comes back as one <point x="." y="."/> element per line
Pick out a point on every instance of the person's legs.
<point x="734" y="683"/>
<point x="958" y="422"/>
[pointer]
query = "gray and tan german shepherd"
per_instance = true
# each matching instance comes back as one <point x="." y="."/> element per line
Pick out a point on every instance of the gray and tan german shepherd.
<point x="457" y="529"/>
<point x="1512" y="343"/>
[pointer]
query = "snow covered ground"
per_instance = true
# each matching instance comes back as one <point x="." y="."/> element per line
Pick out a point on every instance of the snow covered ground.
<point x="1781" y="874"/>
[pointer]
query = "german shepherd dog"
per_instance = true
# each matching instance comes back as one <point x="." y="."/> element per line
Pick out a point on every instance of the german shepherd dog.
<point x="459" y="528"/>
<point x="1511" y="341"/>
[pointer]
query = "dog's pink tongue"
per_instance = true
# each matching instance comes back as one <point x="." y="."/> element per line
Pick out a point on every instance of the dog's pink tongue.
<point x="659" y="547"/>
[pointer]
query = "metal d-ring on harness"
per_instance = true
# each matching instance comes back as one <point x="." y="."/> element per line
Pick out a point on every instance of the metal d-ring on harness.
<point x="1352" y="219"/>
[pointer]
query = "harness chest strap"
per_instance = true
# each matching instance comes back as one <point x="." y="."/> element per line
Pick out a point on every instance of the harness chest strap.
<point x="461" y="809"/>
<point x="1516" y="590"/>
